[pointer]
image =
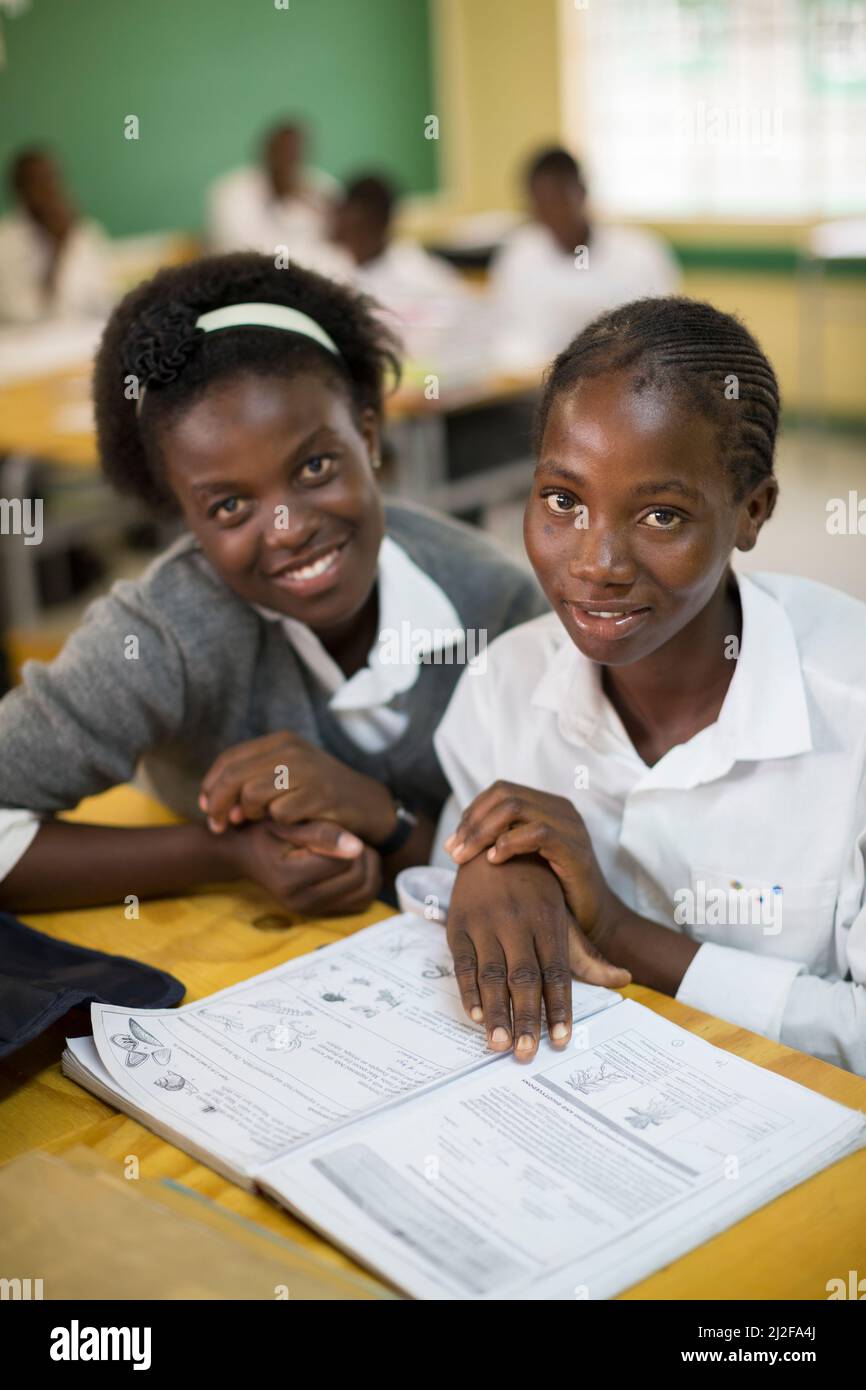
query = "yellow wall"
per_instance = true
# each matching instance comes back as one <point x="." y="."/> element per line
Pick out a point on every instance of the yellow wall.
<point x="816" y="342"/>
<point x="498" y="84"/>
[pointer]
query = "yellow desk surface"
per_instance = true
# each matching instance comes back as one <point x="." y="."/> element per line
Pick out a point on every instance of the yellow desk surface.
<point x="35" y="413"/>
<point x="210" y="939"/>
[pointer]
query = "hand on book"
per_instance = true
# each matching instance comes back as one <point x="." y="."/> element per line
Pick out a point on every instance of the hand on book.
<point x="316" y="868"/>
<point x="283" y="776"/>
<point x="515" y="944"/>
<point x="508" y="820"/>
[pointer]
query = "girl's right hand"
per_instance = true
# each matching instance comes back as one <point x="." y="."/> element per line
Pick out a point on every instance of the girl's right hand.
<point x="304" y="866"/>
<point x="514" y="944"/>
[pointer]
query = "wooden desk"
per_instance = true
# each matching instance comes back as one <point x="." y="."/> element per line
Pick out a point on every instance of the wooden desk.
<point x="787" y="1250"/>
<point x="47" y="417"/>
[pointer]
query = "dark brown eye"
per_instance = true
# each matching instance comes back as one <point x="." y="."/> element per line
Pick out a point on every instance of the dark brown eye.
<point x="559" y="503"/>
<point x="227" y="508"/>
<point x="318" y="468"/>
<point x="665" y="519"/>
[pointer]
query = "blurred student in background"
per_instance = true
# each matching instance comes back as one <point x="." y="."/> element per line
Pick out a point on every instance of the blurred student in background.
<point x="392" y="271"/>
<point x="423" y="295"/>
<point x="281" y="202"/>
<point x="556" y="273"/>
<point x="53" y="262"/>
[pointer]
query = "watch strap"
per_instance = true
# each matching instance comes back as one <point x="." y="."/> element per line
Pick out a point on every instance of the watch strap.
<point x="406" y="823"/>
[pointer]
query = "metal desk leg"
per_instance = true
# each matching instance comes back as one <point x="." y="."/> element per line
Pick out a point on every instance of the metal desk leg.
<point x="420" y="462"/>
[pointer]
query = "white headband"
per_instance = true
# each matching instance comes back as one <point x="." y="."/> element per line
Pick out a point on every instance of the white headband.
<point x="266" y="316"/>
<point x="259" y="316"/>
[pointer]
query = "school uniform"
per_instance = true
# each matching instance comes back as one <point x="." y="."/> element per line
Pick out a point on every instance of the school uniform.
<point x="244" y="214"/>
<point x="543" y="296"/>
<point x="405" y="274"/>
<point x="82" y="281"/>
<point x="768" y="800"/>
<point x="441" y="324"/>
<point x="208" y="671"/>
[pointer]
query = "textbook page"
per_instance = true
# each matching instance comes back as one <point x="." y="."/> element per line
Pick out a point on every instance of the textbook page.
<point x="573" y="1176"/>
<point x="252" y="1071"/>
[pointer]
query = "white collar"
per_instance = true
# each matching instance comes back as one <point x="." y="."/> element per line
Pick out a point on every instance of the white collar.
<point x="764" y="714"/>
<point x="415" y="614"/>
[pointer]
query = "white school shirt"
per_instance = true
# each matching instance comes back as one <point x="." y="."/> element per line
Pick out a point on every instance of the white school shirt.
<point x="410" y="604"/>
<point x="442" y="325"/>
<point x="426" y="300"/>
<point x="245" y="215"/>
<point x="542" y="299"/>
<point x="82" y="283"/>
<point x="772" y="796"/>
<point x="405" y="274"/>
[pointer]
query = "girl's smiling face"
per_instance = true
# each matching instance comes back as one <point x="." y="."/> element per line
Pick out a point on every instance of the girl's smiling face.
<point x="274" y="477"/>
<point x="631" y="520"/>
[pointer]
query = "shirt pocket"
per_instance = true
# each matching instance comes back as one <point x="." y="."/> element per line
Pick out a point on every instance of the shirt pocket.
<point x="791" y="918"/>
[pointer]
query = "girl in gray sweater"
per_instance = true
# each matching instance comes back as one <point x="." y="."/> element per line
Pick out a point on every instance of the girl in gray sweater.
<point x="276" y="676"/>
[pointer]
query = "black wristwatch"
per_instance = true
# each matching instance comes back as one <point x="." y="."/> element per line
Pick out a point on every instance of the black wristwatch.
<point x="406" y="822"/>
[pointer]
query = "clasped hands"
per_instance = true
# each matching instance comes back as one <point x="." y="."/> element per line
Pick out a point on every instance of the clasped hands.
<point x="530" y="908"/>
<point x="295" y="820"/>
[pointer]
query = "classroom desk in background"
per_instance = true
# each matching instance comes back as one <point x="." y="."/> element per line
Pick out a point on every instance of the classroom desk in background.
<point x="213" y="938"/>
<point x="48" y="450"/>
<point x="49" y="416"/>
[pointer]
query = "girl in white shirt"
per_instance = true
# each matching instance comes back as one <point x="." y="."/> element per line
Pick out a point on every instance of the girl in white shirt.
<point x="683" y="748"/>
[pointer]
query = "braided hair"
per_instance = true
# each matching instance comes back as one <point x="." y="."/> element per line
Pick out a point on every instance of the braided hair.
<point x="709" y="360"/>
<point x="153" y="362"/>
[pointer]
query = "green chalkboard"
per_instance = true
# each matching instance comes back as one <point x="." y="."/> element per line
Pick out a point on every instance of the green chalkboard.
<point x="205" y="77"/>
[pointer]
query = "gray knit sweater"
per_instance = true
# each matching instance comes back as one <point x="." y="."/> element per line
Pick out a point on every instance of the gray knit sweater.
<point x="212" y="673"/>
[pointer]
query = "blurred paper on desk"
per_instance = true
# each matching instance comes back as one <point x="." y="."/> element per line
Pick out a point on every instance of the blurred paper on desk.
<point x="36" y="349"/>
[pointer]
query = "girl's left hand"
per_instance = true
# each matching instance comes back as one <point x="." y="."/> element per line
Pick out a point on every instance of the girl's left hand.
<point x="283" y="776"/>
<point x="508" y="820"/>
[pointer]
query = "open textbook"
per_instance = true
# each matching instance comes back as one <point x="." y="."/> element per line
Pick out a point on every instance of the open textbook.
<point x="350" y="1086"/>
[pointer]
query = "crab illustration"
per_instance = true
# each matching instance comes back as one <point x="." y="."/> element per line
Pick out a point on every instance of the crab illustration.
<point x="282" y="1037"/>
<point x="437" y="970"/>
